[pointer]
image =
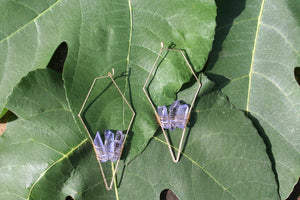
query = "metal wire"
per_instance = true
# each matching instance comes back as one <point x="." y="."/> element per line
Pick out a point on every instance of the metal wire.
<point x="175" y="159"/>
<point x="110" y="75"/>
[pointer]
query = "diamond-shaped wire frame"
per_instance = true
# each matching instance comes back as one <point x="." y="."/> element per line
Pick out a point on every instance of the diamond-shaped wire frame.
<point x="175" y="159"/>
<point x="110" y="75"/>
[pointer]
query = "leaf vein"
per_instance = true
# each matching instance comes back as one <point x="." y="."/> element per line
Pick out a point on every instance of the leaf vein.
<point x="8" y="193"/>
<point x="31" y="21"/>
<point x="48" y="147"/>
<point x="128" y="56"/>
<point x="241" y="182"/>
<point x="197" y="164"/>
<point x="57" y="161"/>
<point x="281" y="91"/>
<point x="26" y="6"/>
<point x="79" y="45"/>
<point x="235" y="23"/>
<point x="253" y="52"/>
<point x="162" y="18"/>
<point x="46" y="111"/>
<point x="233" y="158"/>
<point x="275" y="130"/>
<point x="283" y="36"/>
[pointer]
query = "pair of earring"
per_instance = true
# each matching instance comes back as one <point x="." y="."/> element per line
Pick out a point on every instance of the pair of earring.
<point x="113" y="145"/>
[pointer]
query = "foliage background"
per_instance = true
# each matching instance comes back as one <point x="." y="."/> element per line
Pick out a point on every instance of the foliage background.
<point x="241" y="146"/>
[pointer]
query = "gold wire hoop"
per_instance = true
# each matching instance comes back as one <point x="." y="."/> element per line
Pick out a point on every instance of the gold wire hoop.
<point x="110" y="75"/>
<point x="175" y="159"/>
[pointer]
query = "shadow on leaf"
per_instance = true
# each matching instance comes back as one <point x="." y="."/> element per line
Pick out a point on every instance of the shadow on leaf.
<point x="58" y="58"/>
<point x="227" y="11"/>
<point x="267" y="142"/>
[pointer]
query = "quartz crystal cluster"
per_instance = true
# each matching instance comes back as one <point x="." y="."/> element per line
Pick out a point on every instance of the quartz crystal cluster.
<point x="177" y="116"/>
<point x="111" y="149"/>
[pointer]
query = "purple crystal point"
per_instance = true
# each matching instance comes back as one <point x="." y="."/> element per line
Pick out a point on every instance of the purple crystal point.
<point x="182" y="116"/>
<point x="172" y="114"/>
<point x="118" y="144"/>
<point x="163" y="117"/>
<point x="109" y="144"/>
<point x="177" y="117"/>
<point x="100" y="149"/>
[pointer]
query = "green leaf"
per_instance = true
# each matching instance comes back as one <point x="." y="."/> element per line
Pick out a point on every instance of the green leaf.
<point x="29" y="34"/>
<point x="43" y="154"/>
<point x="3" y="112"/>
<point x="102" y="35"/>
<point x="254" y="55"/>
<point x="127" y="38"/>
<point x="42" y="141"/>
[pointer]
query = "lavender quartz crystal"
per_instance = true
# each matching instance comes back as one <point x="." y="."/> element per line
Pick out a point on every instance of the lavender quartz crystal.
<point x="118" y="145"/>
<point x="100" y="149"/>
<point x="111" y="149"/>
<point x="109" y="144"/>
<point x="177" y="117"/>
<point x="173" y="114"/>
<point x="182" y="116"/>
<point x="163" y="117"/>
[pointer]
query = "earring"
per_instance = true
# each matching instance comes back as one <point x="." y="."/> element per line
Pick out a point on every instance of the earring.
<point x="114" y="144"/>
<point x="178" y="115"/>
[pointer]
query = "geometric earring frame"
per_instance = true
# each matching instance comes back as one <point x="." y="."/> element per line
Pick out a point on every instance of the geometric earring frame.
<point x="110" y="75"/>
<point x="175" y="159"/>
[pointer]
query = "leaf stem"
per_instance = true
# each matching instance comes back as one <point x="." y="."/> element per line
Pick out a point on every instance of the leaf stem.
<point x="115" y="181"/>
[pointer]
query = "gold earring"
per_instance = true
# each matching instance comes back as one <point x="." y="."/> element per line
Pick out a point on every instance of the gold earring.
<point x="178" y="115"/>
<point x="113" y="146"/>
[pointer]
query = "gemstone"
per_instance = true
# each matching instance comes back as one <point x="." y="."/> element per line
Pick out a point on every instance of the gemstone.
<point x="109" y="144"/>
<point x="118" y="145"/>
<point x="100" y="149"/>
<point x="163" y="117"/>
<point x="174" y="108"/>
<point x="182" y="116"/>
<point x="173" y="113"/>
<point x="177" y="117"/>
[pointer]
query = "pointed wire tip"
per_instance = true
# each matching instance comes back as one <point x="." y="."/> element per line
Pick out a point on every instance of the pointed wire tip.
<point x="162" y="44"/>
<point x="113" y="72"/>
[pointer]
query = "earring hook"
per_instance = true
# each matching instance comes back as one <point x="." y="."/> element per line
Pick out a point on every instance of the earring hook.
<point x="111" y="74"/>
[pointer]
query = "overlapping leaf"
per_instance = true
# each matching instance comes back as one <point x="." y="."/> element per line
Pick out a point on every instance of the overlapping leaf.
<point x="44" y="156"/>
<point x="102" y="35"/>
<point x="255" y="67"/>
<point x="127" y="37"/>
<point x="40" y="149"/>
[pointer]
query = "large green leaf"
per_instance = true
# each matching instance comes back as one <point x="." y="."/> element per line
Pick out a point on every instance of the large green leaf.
<point x="44" y="156"/>
<point x="101" y="35"/>
<point x="41" y="141"/>
<point x="254" y="55"/>
<point x="127" y="37"/>
<point x="30" y="31"/>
